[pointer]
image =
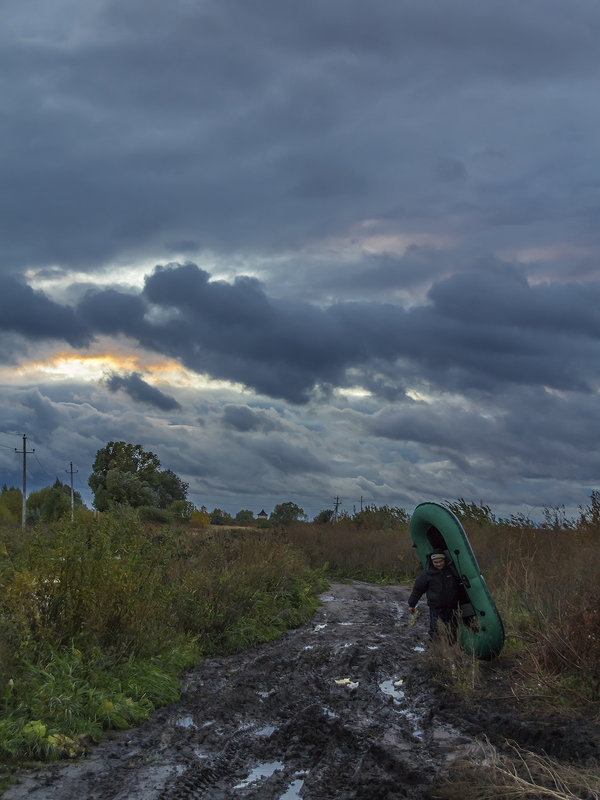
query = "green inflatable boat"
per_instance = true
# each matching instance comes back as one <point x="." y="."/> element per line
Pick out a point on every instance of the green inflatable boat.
<point x="434" y="527"/>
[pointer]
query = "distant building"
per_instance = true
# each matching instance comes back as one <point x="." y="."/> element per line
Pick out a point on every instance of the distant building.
<point x="262" y="515"/>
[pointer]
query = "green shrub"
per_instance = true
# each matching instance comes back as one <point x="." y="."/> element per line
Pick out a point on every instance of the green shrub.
<point x="99" y="617"/>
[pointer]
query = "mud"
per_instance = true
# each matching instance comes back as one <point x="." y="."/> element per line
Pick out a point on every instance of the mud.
<point x="334" y="709"/>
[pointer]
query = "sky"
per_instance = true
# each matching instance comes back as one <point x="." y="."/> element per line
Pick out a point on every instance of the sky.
<point x="304" y="251"/>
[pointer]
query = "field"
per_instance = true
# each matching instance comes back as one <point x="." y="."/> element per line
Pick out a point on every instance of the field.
<point x="98" y="619"/>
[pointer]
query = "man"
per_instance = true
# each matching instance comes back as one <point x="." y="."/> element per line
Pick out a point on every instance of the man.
<point x="441" y="586"/>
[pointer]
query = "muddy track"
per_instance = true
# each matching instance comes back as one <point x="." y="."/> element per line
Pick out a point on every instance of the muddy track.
<point x="322" y="713"/>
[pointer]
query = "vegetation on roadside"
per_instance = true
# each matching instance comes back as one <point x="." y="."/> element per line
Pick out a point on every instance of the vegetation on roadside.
<point x="99" y="618"/>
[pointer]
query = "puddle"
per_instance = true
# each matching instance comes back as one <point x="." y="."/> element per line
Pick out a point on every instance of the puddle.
<point x="186" y="722"/>
<point x="418" y="649"/>
<point x="328" y="598"/>
<point x="259" y="772"/>
<point x="391" y="688"/>
<point x="399" y="609"/>
<point x="329" y="713"/>
<point x="293" y="791"/>
<point x="269" y="730"/>
<point x="415" y="722"/>
<point x="319" y="627"/>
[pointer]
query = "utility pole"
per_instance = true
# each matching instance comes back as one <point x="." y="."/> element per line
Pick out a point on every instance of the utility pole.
<point x="336" y="503"/>
<point x="71" y="471"/>
<point x="25" y="451"/>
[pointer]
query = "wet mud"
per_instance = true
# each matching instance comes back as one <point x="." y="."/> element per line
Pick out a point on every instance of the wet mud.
<point x="335" y="709"/>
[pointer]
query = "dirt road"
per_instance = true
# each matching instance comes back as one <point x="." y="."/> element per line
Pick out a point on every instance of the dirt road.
<point x="322" y="713"/>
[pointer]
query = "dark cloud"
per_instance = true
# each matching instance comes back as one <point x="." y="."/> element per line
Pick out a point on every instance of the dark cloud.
<point x="34" y="315"/>
<point x="247" y="420"/>
<point x="140" y="391"/>
<point x="112" y="311"/>
<point x="237" y="126"/>
<point x="483" y="329"/>
<point x="392" y="197"/>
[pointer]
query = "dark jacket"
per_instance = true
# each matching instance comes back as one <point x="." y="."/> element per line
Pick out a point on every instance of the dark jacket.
<point x="440" y="585"/>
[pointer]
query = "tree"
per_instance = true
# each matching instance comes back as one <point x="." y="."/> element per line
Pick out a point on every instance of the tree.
<point x="286" y="514"/>
<point x="170" y="488"/>
<point x="52" y="502"/>
<point x="220" y="517"/>
<point x="324" y="516"/>
<point x="181" y="509"/>
<point x="245" y="516"/>
<point x="125" y="474"/>
<point x="11" y="504"/>
<point x="199" y="518"/>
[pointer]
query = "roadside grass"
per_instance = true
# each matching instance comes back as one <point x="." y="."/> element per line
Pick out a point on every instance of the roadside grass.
<point x="348" y="551"/>
<point x="517" y="774"/>
<point x="99" y="620"/>
<point x="544" y="582"/>
<point x="545" y="585"/>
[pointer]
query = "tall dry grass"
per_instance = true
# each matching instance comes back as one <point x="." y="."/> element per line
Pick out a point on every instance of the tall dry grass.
<point x="545" y="584"/>
<point x="544" y="581"/>
<point x="346" y="550"/>
<point x="517" y="774"/>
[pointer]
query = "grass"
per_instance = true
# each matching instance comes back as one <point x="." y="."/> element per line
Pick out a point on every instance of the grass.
<point x="98" y="619"/>
<point x="543" y="580"/>
<point x="517" y="774"/>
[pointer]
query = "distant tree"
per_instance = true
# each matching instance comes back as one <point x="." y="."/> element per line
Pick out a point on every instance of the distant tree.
<point x="245" y="516"/>
<point x="324" y="516"/>
<point x="52" y="502"/>
<point x="199" y="518"/>
<point x="170" y="488"/>
<point x="11" y="504"/>
<point x="181" y="509"/>
<point x="286" y="514"/>
<point x="220" y="517"/>
<point x="125" y="474"/>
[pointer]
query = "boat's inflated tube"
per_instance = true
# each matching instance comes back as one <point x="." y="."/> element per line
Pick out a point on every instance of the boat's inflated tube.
<point x="434" y="527"/>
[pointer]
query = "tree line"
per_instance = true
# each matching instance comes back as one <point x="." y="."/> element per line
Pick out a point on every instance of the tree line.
<point x="126" y="475"/>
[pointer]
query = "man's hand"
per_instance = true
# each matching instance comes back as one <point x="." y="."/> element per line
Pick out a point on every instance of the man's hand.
<point x="411" y="610"/>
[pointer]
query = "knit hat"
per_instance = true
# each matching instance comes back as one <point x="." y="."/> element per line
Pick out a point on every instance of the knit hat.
<point x="438" y="554"/>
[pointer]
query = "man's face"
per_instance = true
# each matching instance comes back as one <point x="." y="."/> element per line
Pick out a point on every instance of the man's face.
<point x="439" y="562"/>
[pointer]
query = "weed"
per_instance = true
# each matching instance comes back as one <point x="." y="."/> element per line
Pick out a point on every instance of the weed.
<point x="517" y="774"/>
<point x="451" y="667"/>
<point x="98" y="620"/>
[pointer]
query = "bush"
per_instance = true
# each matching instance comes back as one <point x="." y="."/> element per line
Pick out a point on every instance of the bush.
<point x="98" y="618"/>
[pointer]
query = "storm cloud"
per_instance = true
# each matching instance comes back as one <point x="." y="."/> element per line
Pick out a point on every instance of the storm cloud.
<point x="137" y="388"/>
<point x="305" y="250"/>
